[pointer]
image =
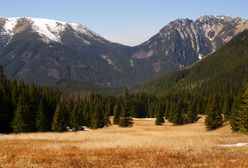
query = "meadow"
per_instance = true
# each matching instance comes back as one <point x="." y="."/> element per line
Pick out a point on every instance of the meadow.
<point x="143" y="145"/>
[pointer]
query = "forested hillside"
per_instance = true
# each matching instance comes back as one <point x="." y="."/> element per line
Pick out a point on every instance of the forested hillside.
<point x="223" y="71"/>
<point x="215" y="86"/>
<point x="30" y="108"/>
<point x="209" y="86"/>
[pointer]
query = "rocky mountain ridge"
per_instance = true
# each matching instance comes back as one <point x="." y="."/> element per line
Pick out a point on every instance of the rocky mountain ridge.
<point x="44" y="51"/>
<point x="184" y="41"/>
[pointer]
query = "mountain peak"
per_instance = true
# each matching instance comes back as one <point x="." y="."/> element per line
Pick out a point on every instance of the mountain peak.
<point x="220" y="18"/>
<point x="71" y="51"/>
<point x="50" y="30"/>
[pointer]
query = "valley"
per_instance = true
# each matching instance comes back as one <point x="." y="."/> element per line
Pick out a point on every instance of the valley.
<point x="176" y="97"/>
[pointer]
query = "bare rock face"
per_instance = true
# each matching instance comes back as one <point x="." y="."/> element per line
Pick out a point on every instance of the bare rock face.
<point x="43" y="51"/>
<point x="182" y="42"/>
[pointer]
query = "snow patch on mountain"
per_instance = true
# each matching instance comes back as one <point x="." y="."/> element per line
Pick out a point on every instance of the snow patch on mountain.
<point x="9" y="26"/>
<point x="200" y="56"/>
<point x="81" y="29"/>
<point x="49" y="30"/>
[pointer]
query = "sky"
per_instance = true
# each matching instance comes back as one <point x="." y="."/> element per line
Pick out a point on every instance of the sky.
<point x="129" y="22"/>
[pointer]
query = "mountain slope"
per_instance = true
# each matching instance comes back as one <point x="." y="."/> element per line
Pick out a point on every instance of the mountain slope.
<point x="224" y="71"/>
<point x="182" y="42"/>
<point x="41" y="51"/>
<point x="47" y="51"/>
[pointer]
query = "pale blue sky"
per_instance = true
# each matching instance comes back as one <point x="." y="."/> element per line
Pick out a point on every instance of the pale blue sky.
<point x="129" y="22"/>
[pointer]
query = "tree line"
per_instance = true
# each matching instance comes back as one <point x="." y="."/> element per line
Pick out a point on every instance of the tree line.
<point x="31" y="108"/>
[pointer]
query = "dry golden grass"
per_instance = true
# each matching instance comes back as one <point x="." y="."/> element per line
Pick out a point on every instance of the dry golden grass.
<point x="143" y="145"/>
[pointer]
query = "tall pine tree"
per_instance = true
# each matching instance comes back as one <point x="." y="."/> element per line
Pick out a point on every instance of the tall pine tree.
<point x="42" y="124"/>
<point x="21" y="121"/>
<point x="117" y="113"/>
<point x="214" y="118"/>
<point x="77" y="117"/>
<point x="59" y="120"/>
<point x="126" y="119"/>
<point x="239" y="117"/>
<point x="97" y="120"/>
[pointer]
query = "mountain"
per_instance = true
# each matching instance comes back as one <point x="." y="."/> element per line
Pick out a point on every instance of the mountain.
<point x="183" y="42"/>
<point x="48" y="51"/>
<point x="41" y="51"/>
<point x="224" y="72"/>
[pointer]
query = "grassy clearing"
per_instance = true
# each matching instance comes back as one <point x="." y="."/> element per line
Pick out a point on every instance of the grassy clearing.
<point x="143" y="145"/>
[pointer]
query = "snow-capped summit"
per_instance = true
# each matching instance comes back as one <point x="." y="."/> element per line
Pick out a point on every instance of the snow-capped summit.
<point x="49" y="30"/>
<point x="43" y="50"/>
<point x="47" y="50"/>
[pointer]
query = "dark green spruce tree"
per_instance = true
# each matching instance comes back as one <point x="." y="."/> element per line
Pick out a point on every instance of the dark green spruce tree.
<point x="179" y="117"/>
<point x="77" y="117"/>
<point x="42" y="124"/>
<point x="117" y="113"/>
<point x="227" y="107"/>
<point x="214" y="117"/>
<point x="192" y="112"/>
<point x="239" y="117"/>
<point x="97" y="119"/>
<point x="125" y="119"/>
<point x="59" y="123"/>
<point x="21" y="121"/>
<point x="159" y="119"/>
<point x="159" y="115"/>
<point x="7" y="105"/>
